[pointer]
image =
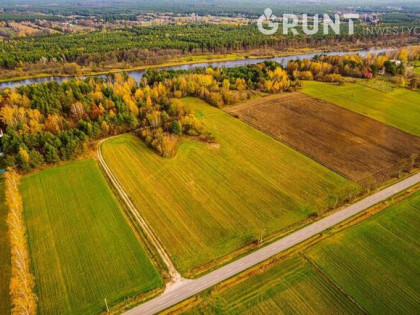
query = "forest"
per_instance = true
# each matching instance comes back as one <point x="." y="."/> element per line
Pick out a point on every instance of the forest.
<point x="156" y="44"/>
<point x="51" y="122"/>
<point x="130" y="8"/>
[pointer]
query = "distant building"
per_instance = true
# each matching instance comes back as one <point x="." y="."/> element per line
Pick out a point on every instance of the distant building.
<point x="397" y="62"/>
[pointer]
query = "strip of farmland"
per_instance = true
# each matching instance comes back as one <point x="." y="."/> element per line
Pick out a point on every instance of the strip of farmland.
<point x="82" y="248"/>
<point x="371" y="267"/>
<point x="349" y="143"/>
<point x="211" y="200"/>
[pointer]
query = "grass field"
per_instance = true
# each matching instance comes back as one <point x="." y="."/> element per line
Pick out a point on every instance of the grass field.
<point x="210" y="200"/>
<point x="372" y="266"/>
<point x="347" y="142"/>
<point x="417" y="67"/>
<point x="293" y="286"/>
<point x="82" y="248"/>
<point x="398" y="108"/>
<point x="4" y="255"/>
<point x="377" y="261"/>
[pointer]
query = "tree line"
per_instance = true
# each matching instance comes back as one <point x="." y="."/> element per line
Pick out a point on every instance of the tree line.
<point x="22" y="281"/>
<point x="51" y="122"/>
<point x="137" y="45"/>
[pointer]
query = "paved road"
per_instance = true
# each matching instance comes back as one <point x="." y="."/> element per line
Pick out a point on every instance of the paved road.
<point x="185" y="290"/>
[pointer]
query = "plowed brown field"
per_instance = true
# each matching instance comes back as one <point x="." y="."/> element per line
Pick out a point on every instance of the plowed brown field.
<point x="349" y="143"/>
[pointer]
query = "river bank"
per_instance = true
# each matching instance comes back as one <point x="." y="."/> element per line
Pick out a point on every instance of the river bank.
<point x="197" y="61"/>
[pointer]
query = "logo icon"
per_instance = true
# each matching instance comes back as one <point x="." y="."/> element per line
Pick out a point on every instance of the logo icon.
<point x="268" y="17"/>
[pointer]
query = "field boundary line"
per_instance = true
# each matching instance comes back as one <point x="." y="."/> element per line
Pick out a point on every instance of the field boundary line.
<point x="387" y="173"/>
<point x="173" y="273"/>
<point x="335" y="284"/>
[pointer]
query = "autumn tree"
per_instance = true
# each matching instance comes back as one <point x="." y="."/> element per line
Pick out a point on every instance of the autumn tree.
<point x="22" y="282"/>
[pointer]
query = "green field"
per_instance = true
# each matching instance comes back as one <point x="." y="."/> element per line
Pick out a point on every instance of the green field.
<point x="417" y="67"/>
<point x="377" y="261"/>
<point x="210" y="200"/>
<point x="81" y="246"/>
<point x="4" y="254"/>
<point x="375" y="264"/>
<point x="398" y="108"/>
<point x="293" y="286"/>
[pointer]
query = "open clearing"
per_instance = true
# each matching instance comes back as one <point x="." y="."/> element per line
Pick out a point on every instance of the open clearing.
<point x="372" y="266"/>
<point x="398" y="108"/>
<point x="4" y="254"/>
<point x="82" y="248"/>
<point x="347" y="142"/>
<point x="209" y="201"/>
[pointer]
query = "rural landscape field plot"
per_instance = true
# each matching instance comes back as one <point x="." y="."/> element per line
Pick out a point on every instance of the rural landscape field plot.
<point x="210" y="200"/>
<point x="398" y="108"/>
<point x="4" y="254"/>
<point x="347" y="142"/>
<point x="292" y="286"/>
<point x="371" y="268"/>
<point x="377" y="261"/>
<point x="82" y="248"/>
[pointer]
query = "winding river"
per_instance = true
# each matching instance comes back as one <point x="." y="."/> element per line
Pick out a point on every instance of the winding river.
<point x="137" y="74"/>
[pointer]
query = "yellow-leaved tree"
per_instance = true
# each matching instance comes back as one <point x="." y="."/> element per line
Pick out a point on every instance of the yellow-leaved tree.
<point x="22" y="282"/>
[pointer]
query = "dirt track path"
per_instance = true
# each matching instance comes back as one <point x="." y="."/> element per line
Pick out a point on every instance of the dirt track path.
<point x="173" y="273"/>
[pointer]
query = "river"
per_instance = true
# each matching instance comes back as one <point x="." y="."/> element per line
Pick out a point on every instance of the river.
<point x="137" y="74"/>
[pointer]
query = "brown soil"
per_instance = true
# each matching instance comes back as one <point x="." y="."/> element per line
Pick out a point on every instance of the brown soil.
<point x="349" y="143"/>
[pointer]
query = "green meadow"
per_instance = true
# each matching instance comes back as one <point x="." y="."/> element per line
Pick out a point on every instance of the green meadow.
<point x="82" y="248"/>
<point x="212" y="199"/>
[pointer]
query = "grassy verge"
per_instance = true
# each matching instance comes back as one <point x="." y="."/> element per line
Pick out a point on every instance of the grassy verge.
<point x="5" y="271"/>
<point x="397" y="107"/>
<point x="82" y="248"/>
<point x="211" y="200"/>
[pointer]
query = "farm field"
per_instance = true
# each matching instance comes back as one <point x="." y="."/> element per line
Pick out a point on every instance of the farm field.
<point x="373" y="263"/>
<point x="348" y="143"/>
<point x="82" y="248"/>
<point x="376" y="261"/>
<point x="292" y="286"/>
<point x="212" y="199"/>
<point x="4" y="254"/>
<point x="398" y="108"/>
